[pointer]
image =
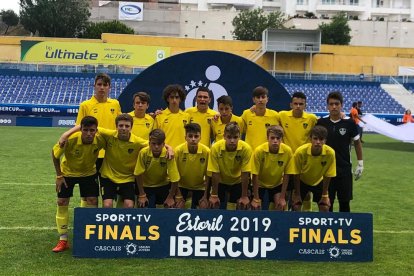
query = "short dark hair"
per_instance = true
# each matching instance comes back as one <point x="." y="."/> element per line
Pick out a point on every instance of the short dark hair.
<point x="320" y="132"/>
<point x="354" y="104"/>
<point x="226" y="100"/>
<point x="276" y="130"/>
<point x="158" y="135"/>
<point x="260" y="91"/>
<point x="192" y="127"/>
<point x="124" y="117"/>
<point x="88" y="121"/>
<point x="143" y="96"/>
<point x="173" y="88"/>
<point x="204" y="89"/>
<point x="299" y="95"/>
<point x="232" y="128"/>
<point x="106" y="79"/>
<point x="336" y="95"/>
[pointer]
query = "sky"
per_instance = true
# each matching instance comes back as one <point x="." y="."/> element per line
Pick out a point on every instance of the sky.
<point x="10" y="4"/>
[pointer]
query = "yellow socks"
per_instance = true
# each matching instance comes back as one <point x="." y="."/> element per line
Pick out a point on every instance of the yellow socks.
<point x="62" y="218"/>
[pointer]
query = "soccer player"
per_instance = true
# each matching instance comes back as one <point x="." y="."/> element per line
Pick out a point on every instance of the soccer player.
<point x="225" y="108"/>
<point x="341" y="133"/>
<point x="117" y="171"/>
<point x="156" y="176"/>
<point x="314" y="167"/>
<point x="143" y="122"/>
<point x="202" y="114"/>
<point x="102" y="108"/>
<point x="172" y="120"/>
<point x="256" y="120"/>
<point x="297" y="125"/>
<point x="75" y="164"/>
<point x="192" y="158"/>
<point x="271" y="166"/>
<point x="229" y="164"/>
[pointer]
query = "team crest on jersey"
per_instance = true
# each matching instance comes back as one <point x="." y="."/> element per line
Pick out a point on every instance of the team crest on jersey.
<point x="323" y="163"/>
<point x="305" y="125"/>
<point x="130" y="151"/>
<point x="112" y="110"/>
<point x="163" y="163"/>
<point x="147" y="125"/>
<point x="267" y="125"/>
<point x="280" y="163"/>
<point x="342" y="131"/>
<point x="184" y="159"/>
<point x="191" y="120"/>
<point x="238" y="158"/>
<point x="166" y="121"/>
<point x="286" y="125"/>
<point x="209" y="121"/>
<point x="148" y="161"/>
<point x="184" y="122"/>
<point x="202" y="160"/>
<point x="250" y="123"/>
<point x="77" y="152"/>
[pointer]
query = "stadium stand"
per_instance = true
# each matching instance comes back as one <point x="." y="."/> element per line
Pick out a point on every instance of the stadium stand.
<point x="23" y="87"/>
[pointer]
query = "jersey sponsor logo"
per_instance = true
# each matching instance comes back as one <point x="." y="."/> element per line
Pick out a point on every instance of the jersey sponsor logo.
<point x="280" y="163"/>
<point x="267" y="125"/>
<point x="130" y="151"/>
<point x="323" y="163"/>
<point x="202" y="160"/>
<point x="147" y="125"/>
<point x="209" y="121"/>
<point x="305" y="125"/>
<point x="238" y="158"/>
<point x="184" y="159"/>
<point x="342" y="131"/>
<point x="95" y="110"/>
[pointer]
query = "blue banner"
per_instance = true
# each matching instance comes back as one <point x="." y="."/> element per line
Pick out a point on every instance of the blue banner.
<point x="39" y="109"/>
<point x="162" y="233"/>
<point x="6" y="120"/>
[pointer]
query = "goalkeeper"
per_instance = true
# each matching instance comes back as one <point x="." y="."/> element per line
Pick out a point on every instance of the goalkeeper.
<point x="341" y="133"/>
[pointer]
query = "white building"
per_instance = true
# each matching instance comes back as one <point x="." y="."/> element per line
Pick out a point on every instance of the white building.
<point x="385" y="23"/>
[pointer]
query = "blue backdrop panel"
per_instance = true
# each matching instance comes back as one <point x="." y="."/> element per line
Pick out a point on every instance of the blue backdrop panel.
<point x="162" y="233"/>
<point x="223" y="73"/>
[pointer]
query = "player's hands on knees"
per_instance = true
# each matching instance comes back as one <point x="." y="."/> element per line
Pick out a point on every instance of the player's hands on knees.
<point x="243" y="203"/>
<point x="142" y="201"/>
<point x="280" y="204"/>
<point x="59" y="182"/>
<point x="256" y="204"/>
<point x="179" y="202"/>
<point x="214" y="202"/>
<point x="324" y="204"/>
<point x="203" y="203"/>
<point x="169" y="202"/>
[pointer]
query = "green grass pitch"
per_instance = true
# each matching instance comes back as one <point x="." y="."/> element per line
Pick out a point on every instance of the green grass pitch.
<point x="27" y="217"/>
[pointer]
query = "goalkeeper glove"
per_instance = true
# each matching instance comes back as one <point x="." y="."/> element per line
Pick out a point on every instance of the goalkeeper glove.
<point x="359" y="169"/>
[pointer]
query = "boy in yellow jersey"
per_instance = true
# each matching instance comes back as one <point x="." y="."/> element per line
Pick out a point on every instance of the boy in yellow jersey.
<point x="297" y="125"/>
<point x="229" y="164"/>
<point x="225" y="108"/>
<point x="156" y="176"/>
<point x="117" y="171"/>
<point x="75" y="163"/>
<point x="143" y="122"/>
<point x="172" y="120"/>
<point x="192" y="158"/>
<point x="102" y="108"/>
<point x="272" y="163"/>
<point x="258" y="119"/>
<point x="315" y="165"/>
<point x="202" y="114"/>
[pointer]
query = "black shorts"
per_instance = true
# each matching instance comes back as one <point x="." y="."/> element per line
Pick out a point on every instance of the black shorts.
<point x="233" y="191"/>
<point x="157" y="195"/>
<point x="110" y="190"/>
<point x="270" y="192"/>
<point x="341" y="187"/>
<point x="196" y="195"/>
<point x="315" y="190"/>
<point x="88" y="187"/>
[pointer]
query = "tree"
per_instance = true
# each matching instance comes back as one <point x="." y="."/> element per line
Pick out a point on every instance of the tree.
<point x="95" y="30"/>
<point x="10" y="18"/>
<point x="55" y="18"/>
<point x="249" y="24"/>
<point x="336" y="32"/>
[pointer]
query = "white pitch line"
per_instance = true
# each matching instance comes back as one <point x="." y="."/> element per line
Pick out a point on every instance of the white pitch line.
<point x="40" y="228"/>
